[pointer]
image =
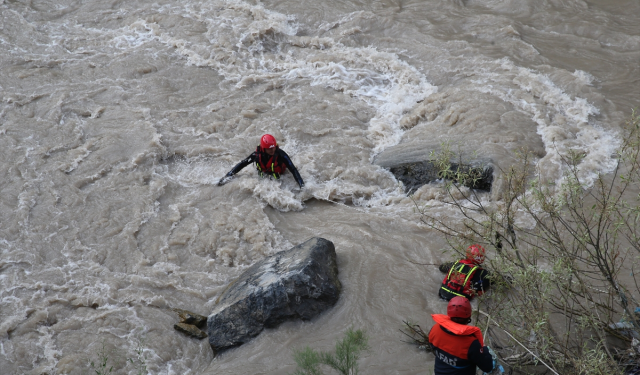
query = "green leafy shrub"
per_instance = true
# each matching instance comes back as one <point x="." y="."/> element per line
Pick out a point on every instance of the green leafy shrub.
<point x="564" y="257"/>
<point x="140" y="362"/>
<point x="344" y="360"/>
<point x="100" y="366"/>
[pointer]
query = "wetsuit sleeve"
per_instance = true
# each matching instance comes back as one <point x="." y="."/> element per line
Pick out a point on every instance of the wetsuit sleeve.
<point x="291" y="167"/>
<point x="250" y="159"/>
<point x="483" y="359"/>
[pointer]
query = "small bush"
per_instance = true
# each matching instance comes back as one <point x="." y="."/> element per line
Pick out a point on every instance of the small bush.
<point x="344" y="360"/>
<point x="107" y="359"/>
<point x="308" y="361"/>
<point x="100" y="366"/>
<point x="140" y="362"/>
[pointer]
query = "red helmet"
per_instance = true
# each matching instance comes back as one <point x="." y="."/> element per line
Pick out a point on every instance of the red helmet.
<point x="475" y="253"/>
<point x="459" y="307"/>
<point x="268" y="141"/>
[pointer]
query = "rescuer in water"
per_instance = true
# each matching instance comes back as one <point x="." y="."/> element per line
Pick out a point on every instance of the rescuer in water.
<point x="270" y="161"/>
<point x="465" y="278"/>
<point x="457" y="346"/>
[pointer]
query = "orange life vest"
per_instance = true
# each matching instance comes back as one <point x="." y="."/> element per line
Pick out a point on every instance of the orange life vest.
<point x="457" y="345"/>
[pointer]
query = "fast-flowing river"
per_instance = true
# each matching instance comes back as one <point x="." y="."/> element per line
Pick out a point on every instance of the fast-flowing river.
<point x="118" y="118"/>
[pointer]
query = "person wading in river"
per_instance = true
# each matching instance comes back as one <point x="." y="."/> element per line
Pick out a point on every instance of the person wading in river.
<point x="465" y="278"/>
<point x="270" y="161"/>
<point x="459" y="347"/>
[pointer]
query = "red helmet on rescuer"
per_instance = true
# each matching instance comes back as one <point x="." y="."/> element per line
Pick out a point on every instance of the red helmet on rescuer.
<point x="459" y="307"/>
<point x="475" y="253"/>
<point x="268" y="141"/>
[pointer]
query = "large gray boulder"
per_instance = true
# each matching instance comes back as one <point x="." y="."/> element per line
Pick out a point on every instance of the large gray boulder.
<point x="299" y="283"/>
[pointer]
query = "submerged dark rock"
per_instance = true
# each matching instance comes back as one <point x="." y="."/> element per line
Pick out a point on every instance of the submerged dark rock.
<point x="414" y="175"/>
<point x="299" y="283"/>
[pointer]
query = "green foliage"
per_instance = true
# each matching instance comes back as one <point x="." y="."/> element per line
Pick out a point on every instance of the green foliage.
<point x="565" y="249"/>
<point x="594" y="361"/>
<point x="347" y="353"/>
<point x="344" y="360"/>
<point x="140" y="362"/>
<point x="100" y="366"/>
<point x="104" y="364"/>
<point x="308" y="361"/>
<point x="454" y="168"/>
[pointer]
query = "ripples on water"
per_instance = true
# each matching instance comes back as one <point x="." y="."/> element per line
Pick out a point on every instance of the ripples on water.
<point x="118" y="118"/>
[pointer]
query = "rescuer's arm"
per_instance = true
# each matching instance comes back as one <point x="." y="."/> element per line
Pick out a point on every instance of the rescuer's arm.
<point x="483" y="359"/>
<point x="445" y="267"/>
<point x="250" y="159"/>
<point x="292" y="168"/>
<point x="481" y="280"/>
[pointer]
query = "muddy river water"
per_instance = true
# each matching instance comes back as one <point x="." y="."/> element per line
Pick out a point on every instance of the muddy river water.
<point x="118" y="118"/>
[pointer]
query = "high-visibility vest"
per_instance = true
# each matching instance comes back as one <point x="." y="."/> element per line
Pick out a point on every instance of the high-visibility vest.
<point x="458" y="280"/>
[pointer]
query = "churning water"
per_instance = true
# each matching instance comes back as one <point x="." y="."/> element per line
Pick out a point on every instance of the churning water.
<point x="118" y="118"/>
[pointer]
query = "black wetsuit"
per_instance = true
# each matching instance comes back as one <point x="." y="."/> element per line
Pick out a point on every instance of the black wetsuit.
<point x="280" y="157"/>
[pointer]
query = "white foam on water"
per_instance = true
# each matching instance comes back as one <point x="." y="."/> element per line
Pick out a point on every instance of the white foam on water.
<point x="242" y="236"/>
<point x="380" y="79"/>
<point x="555" y="109"/>
<point x="584" y="77"/>
<point x="134" y="35"/>
<point x="272" y="193"/>
<point x="247" y="45"/>
<point x="50" y="352"/>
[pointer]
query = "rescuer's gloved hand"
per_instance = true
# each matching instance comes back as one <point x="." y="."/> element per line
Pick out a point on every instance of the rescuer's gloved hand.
<point x="445" y="267"/>
<point x="224" y="180"/>
<point x="497" y="367"/>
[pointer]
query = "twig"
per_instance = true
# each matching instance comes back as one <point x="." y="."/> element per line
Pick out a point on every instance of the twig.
<point x="519" y="343"/>
<point x="421" y="340"/>
<point x="488" y="323"/>
<point x="422" y="264"/>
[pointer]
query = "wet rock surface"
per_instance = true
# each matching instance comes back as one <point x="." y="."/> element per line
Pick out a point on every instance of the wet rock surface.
<point x="299" y="283"/>
<point x="189" y="317"/>
<point x="414" y="175"/>
<point x="190" y="323"/>
<point x="190" y="330"/>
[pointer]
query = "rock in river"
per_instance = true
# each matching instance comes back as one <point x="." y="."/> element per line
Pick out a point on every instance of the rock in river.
<point x="298" y="283"/>
<point x="484" y="133"/>
<point x="414" y="175"/>
<point x="189" y="330"/>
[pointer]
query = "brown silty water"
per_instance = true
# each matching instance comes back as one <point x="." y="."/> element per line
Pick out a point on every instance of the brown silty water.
<point x="118" y="119"/>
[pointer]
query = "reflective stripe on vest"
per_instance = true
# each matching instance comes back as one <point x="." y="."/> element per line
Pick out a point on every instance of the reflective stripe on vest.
<point x="466" y="280"/>
<point x="274" y="174"/>
<point x="272" y="160"/>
